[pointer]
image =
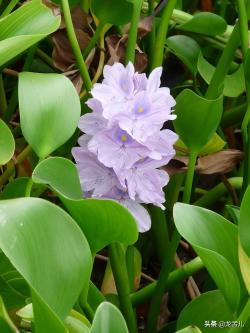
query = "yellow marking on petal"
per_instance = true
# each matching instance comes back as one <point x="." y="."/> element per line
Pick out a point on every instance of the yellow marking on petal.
<point x="140" y="109"/>
<point x="123" y="137"/>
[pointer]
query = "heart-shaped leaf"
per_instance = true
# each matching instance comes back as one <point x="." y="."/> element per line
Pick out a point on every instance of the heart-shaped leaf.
<point x="108" y="319"/>
<point x="49" y="250"/>
<point x="197" y="119"/>
<point x="234" y="84"/>
<point x="23" y="28"/>
<point x="102" y="221"/>
<point x="208" y="307"/>
<point x="7" y="143"/>
<point x="49" y="110"/>
<point x="112" y="11"/>
<point x="215" y="240"/>
<point x="205" y="23"/>
<point x="186" y="49"/>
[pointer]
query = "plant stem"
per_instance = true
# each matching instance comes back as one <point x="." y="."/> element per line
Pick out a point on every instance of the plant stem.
<point x="93" y="40"/>
<point x="132" y="36"/>
<point x="75" y="46"/>
<point x="3" y="102"/>
<point x="9" y="8"/>
<point x="178" y="275"/>
<point x="119" y="269"/>
<point x="161" y="34"/>
<point x="243" y="317"/>
<point x="159" y="231"/>
<point x="216" y="84"/>
<point x="233" y="116"/>
<point x="13" y="102"/>
<point x="11" y="168"/>
<point x="29" y="187"/>
<point x="189" y="177"/>
<point x="244" y="35"/>
<point x="155" y="304"/>
<point x="243" y="22"/>
<point x="217" y="192"/>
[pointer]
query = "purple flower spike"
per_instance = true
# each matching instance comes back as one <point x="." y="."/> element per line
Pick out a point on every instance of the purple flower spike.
<point x="124" y="145"/>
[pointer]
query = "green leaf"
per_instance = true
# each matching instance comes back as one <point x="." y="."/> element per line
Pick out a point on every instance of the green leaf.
<point x="244" y="226"/>
<point x="245" y="267"/>
<point x="215" y="144"/>
<point x="205" y="23"/>
<point x="76" y="322"/>
<point x="17" y="187"/>
<point x="7" y="143"/>
<point x="186" y="49"/>
<point x="61" y="175"/>
<point x="102" y="221"/>
<point x="6" y="325"/>
<point x="112" y="11"/>
<point x="108" y="319"/>
<point x="197" y="119"/>
<point x="49" y="250"/>
<point x="215" y="240"/>
<point x="210" y="306"/>
<point x="190" y="329"/>
<point x="23" y="28"/>
<point x="234" y="84"/>
<point x="49" y="110"/>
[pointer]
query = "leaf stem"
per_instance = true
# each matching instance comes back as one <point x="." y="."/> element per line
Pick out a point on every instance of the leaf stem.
<point x="162" y="33"/>
<point x="75" y="46"/>
<point x="189" y="177"/>
<point x="93" y="40"/>
<point x="159" y="290"/>
<point x="216" y="84"/>
<point x="217" y="192"/>
<point x="119" y="269"/>
<point x="9" y="8"/>
<point x="132" y="36"/>
<point x="178" y="275"/>
<point x="11" y="167"/>
<point x="3" y="101"/>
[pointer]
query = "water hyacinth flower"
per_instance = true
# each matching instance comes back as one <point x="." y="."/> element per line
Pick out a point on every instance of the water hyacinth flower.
<point x="124" y="146"/>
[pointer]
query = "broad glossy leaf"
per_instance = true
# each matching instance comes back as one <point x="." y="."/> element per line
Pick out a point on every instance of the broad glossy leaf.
<point x="61" y="174"/>
<point x="210" y="306"/>
<point x="49" y="110"/>
<point x="47" y="247"/>
<point x="23" y="28"/>
<point x="234" y="212"/>
<point x="6" y="325"/>
<point x="186" y="49"/>
<point x="234" y="84"/>
<point x="103" y="222"/>
<point x="205" y="23"/>
<point x="245" y="267"/>
<point x="197" y="118"/>
<point x="108" y="319"/>
<point x="244" y="225"/>
<point x="7" y="143"/>
<point x="112" y="11"/>
<point x="215" y="240"/>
